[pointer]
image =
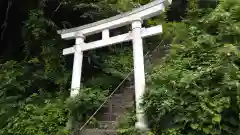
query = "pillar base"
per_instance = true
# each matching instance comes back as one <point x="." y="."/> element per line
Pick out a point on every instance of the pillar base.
<point x="141" y="126"/>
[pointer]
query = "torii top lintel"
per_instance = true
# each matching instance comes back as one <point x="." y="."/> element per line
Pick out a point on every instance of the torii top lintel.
<point x="144" y="12"/>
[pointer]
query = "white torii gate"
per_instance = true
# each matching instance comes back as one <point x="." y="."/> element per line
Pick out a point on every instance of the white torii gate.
<point x="135" y="18"/>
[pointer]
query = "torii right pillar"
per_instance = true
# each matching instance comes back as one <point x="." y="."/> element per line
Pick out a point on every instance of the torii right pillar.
<point x="139" y="73"/>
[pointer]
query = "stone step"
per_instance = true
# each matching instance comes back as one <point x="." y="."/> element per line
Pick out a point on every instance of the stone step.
<point x="129" y="89"/>
<point x="122" y="97"/>
<point x="112" y="111"/>
<point x="116" y="106"/>
<point x="110" y="125"/>
<point x="97" y="132"/>
<point x="125" y="89"/>
<point x="108" y="116"/>
<point x="128" y="105"/>
<point x="119" y="100"/>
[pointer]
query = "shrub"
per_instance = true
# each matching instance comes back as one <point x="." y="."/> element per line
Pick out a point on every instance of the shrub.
<point x="195" y="91"/>
<point x="46" y="116"/>
<point x="31" y="119"/>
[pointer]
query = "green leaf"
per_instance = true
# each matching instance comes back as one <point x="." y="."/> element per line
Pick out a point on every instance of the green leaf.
<point x="217" y="118"/>
<point x="194" y="126"/>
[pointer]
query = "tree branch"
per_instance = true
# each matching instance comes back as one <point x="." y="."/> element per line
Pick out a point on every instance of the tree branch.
<point x="5" y="23"/>
<point x="56" y="9"/>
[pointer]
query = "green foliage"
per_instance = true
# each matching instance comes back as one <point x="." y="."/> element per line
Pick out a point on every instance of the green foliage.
<point x="126" y="124"/>
<point x="174" y="33"/>
<point x="88" y="100"/>
<point x="49" y="116"/>
<point x="11" y="86"/>
<point x="119" y="63"/>
<point x="34" y="91"/>
<point x="196" y="90"/>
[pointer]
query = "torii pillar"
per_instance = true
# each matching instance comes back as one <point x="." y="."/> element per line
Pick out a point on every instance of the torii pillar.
<point x="139" y="73"/>
<point x="77" y="66"/>
<point x="134" y="18"/>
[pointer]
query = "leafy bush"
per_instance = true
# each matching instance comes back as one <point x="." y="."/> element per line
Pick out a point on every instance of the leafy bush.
<point x="31" y="119"/>
<point x="85" y="103"/>
<point x="195" y="91"/>
<point x="39" y="113"/>
<point x="126" y="124"/>
<point x="50" y="116"/>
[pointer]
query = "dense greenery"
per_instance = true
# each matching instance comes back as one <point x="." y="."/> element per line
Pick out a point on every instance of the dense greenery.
<point x="195" y="91"/>
<point x="34" y="81"/>
<point x="35" y="77"/>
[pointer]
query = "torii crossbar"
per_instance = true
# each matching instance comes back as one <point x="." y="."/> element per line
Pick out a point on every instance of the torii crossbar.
<point x="135" y="18"/>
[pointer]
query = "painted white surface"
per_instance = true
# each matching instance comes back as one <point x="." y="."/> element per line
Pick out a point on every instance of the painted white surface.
<point x="145" y="32"/>
<point x="144" y="14"/>
<point x="105" y="34"/>
<point x="77" y="67"/>
<point x="139" y="73"/>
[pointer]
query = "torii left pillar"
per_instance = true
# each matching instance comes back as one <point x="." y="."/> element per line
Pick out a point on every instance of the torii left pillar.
<point x="76" y="73"/>
<point x="77" y="66"/>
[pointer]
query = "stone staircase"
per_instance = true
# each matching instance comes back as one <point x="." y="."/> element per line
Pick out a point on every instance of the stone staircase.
<point x="119" y="103"/>
<point x="113" y="110"/>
